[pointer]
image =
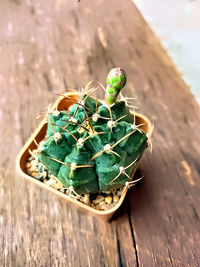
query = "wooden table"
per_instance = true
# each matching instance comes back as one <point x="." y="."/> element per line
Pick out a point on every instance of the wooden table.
<point x="49" y="46"/>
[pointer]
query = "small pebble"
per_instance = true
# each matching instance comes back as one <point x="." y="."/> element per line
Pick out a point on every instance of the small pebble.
<point x="93" y="205"/>
<point x="63" y="190"/>
<point x="40" y="167"/>
<point x="35" y="153"/>
<point x="34" y="164"/>
<point x="28" y="165"/>
<point x="97" y="207"/>
<point x="106" y="192"/>
<point x="53" y="177"/>
<point x="102" y="203"/>
<point x="116" y="199"/>
<point x="34" y="174"/>
<point x="86" y="199"/>
<point x="50" y="182"/>
<point x="44" y="174"/>
<point x="39" y="176"/>
<point x="98" y="199"/>
<point x="56" y="186"/>
<point x="108" y="199"/>
<point x="33" y="169"/>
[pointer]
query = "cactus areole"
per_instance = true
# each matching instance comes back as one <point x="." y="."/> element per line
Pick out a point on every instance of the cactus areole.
<point x="94" y="146"/>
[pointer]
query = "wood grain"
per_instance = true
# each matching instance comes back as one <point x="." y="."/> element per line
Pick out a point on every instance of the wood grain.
<point x="49" y="46"/>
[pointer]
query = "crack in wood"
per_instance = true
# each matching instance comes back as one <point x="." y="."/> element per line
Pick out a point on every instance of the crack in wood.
<point x="170" y="258"/>
<point x="133" y="236"/>
<point x="119" y="249"/>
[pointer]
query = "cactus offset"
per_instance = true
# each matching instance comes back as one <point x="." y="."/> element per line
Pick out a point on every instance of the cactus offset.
<point x="94" y="146"/>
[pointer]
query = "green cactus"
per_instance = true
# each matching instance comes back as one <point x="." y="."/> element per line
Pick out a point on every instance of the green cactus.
<point x="94" y="147"/>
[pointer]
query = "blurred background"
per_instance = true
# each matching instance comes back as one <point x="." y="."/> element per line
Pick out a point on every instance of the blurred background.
<point x="177" y="24"/>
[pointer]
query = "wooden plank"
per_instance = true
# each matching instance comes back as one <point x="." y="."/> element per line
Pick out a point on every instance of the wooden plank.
<point x="48" y="46"/>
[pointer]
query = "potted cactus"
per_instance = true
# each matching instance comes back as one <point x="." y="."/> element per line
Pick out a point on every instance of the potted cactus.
<point x="92" y="147"/>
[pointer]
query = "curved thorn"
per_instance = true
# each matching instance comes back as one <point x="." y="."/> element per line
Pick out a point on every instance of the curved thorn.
<point x="90" y="92"/>
<point x="98" y="154"/>
<point x="91" y="127"/>
<point x="134" y="117"/>
<point x="63" y="94"/>
<point x="115" y="177"/>
<point x="123" y="190"/>
<point x="67" y="113"/>
<point x="131" y="183"/>
<point x="65" y="127"/>
<point x="96" y="105"/>
<point x="120" y="118"/>
<point x="66" y="131"/>
<point x="109" y="108"/>
<point x="78" y="103"/>
<point x="111" y="151"/>
<point x="86" y="114"/>
<point x="74" y="115"/>
<point x="76" y="194"/>
<point x="151" y="131"/>
<point x="84" y="166"/>
<point x="64" y="163"/>
<point x="32" y="154"/>
<point x="127" y="175"/>
<point x="89" y="136"/>
<point x="101" y="85"/>
<point x="87" y="86"/>
<point x="131" y="163"/>
<point x="35" y="142"/>
<point x="131" y="98"/>
<point x="124" y="137"/>
<point x="105" y="118"/>
<point x="137" y="127"/>
<point x="133" y="107"/>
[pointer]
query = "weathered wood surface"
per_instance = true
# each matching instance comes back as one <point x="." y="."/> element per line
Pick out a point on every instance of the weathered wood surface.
<point x="48" y="46"/>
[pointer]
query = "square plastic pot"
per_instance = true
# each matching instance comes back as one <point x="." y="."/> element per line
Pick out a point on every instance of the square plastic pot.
<point x="39" y="134"/>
